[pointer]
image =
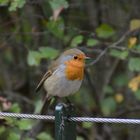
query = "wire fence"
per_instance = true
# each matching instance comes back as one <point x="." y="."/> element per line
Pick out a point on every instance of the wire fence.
<point x="75" y="119"/>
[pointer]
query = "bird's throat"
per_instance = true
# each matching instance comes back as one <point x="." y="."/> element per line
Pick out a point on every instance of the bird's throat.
<point x="74" y="70"/>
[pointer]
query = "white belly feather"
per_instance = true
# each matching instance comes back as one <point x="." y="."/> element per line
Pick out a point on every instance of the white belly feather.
<point x="58" y="85"/>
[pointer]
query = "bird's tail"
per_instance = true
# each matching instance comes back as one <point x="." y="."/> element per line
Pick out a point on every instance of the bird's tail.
<point x="45" y="106"/>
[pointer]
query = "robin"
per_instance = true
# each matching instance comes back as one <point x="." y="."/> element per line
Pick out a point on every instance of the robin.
<point x="64" y="76"/>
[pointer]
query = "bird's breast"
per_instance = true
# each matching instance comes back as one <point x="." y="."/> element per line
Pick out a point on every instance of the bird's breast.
<point x="74" y="70"/>
<point x="59" y="85"/>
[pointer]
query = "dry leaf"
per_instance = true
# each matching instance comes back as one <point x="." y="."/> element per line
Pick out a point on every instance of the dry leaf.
<point x="134" y="24"/>
<point x="134" y="83"/>
<point x="5" y="103"/>
<point x="56" y="13"/>
<point x="132" y="42"/>
<point x="119" y="97"/>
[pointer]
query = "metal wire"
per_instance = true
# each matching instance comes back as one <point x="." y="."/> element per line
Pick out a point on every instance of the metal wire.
<point x="105" y="120"/>
<point x="75" y="119"/>
<point x="27" y="116"/>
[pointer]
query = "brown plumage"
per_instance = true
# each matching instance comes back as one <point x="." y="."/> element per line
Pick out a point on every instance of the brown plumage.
<point x="64" y="76"/>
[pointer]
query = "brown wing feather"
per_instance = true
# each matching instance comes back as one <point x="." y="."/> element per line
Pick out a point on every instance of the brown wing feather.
<point x="46" y="75"/>
<point x="52" y="68"/>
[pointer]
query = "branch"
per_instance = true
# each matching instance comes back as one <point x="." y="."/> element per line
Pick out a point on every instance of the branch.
<point x="16" y="97"/>
<point x="122" y="48"/>
<point x="127" y="111"/>
<point x="111" y="46"/>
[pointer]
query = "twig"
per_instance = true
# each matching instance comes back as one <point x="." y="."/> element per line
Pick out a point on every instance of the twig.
<point x="111" y="46"/>
<point x="124" y="48"/>
<point x="16" y="96"/>
<point x="127" y="111"/>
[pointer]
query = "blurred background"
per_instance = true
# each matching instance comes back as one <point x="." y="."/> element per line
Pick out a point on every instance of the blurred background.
<point x="34" y="32"/>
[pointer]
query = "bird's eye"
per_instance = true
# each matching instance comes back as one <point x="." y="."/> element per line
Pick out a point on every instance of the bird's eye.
<point x="75" y="57"/>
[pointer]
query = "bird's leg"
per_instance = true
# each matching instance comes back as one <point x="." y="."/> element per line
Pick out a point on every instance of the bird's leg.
<point x="69" y="102"/>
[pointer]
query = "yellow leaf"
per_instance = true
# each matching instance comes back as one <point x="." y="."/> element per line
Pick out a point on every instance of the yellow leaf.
<point x="134" y="83"/>
<point x="132" y="42"/>
<point x="119" y="97"/>
<point x="134" y="24"/>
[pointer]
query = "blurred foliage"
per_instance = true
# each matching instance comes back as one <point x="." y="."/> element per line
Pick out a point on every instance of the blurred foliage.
<point x="134" y="24"/>
<point x="132" y="42"/>
<point x="119" y="54"/>
<point x="105" y="31"/>
<point x="134" y="64"/>
<point x="134" y="83"/>
<point x="33" y="33"/>
<point x="16" y="4"/>
<point x="34" y="57"/>
<point x="56" y="4"/>
<point x="76" y="40"/>
<point x="92" y="42"/>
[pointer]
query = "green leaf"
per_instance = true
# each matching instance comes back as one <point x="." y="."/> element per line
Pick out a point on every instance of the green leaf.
<point x="2" y="129"/>
<point x="134" y="64"/>
<point x="108" y="90"/>
<point x="13" y="136"/>
<point x="4" y="2"/>
<point x="76" y="40"/>
<point x="92" y="42"/>
<point x="119" y="54"/>
<point x="11" y="121"/>
<point x="44" y="136"/>
<point x="16" y="4"/>
<point x="105" y="31"/>
<point x="38" y="105"/>
<point x="108" y="105"/>
<point x="56" y="28"/>
<point x="137" y="47"/>
<point x="56" y="4"/>
<point x="87" y="124"/>
<point x="47" y="52"/>
<point x="137" y="94"/>
<point x="33" y="58"/>
<point x="121" y="80"/>
<point x="79" y="138"/>
<point x="25" y="124"/>
<point x="15" y="108"/>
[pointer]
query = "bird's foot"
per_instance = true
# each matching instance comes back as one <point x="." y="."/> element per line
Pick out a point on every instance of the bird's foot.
<point x="69" y="103"/>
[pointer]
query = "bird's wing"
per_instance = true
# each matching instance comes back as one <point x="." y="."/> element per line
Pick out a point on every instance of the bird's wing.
<point x="46" y="75"/>
<point x="52" y="68"/>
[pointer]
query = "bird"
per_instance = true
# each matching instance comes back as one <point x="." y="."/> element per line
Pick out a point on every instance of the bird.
<point x="64" y="76"/>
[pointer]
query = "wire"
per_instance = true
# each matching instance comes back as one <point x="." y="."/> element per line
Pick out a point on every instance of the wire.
<point x="74" y="119"/>
<point x="27" y="116"/>
<point x="105" y="120"/>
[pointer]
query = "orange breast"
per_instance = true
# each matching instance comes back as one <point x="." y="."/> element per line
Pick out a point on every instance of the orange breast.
<point x="74" y="70"/>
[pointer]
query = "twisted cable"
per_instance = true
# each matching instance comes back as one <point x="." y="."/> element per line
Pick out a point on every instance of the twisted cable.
<point x="75" y="119"/>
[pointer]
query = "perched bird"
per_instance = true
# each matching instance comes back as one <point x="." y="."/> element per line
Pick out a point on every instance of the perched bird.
<point x="64" y="76"/>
